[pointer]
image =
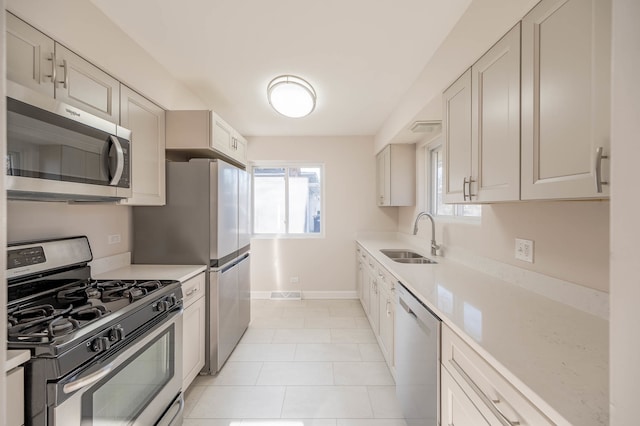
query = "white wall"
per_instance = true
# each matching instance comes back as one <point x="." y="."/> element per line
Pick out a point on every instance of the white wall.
<point x="571" y="238"/>
<point x="625" y="205"/>
<point x="34" y="220"/>
<point x="327" y="264"/>
<point x="83" y="28"/>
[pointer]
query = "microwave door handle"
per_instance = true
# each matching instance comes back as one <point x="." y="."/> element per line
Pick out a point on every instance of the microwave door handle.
<point x="88" y="380"/>
<point x="119" y="161"/>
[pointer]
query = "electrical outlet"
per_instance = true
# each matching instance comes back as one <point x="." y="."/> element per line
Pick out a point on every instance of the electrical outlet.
<point x="524" y="250"/>
<point x="294" y="280"/>
<point x="114" y="239"/>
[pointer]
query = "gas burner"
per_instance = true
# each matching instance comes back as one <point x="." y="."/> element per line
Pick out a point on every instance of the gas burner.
<point x="150" y="285"/>
<point x="75" y="294"/>
<point x="89" y="313"/>
<point x="111" y="285"/>
<point x="134" y="293"/>
<point x="30" y="325"/>
<point x="34" y="313"/>
<point x="61" y="326"/>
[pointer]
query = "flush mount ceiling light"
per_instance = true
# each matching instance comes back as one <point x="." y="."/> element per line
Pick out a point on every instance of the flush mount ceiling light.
<point x="291" y="96"/>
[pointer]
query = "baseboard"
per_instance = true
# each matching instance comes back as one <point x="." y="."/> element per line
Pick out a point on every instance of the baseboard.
<point x="266" y="295"/>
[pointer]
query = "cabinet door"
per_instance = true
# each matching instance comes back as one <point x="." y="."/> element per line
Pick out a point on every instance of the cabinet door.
<point x="565" y="98"/>
<point x="222" y="137"/>
<point x="240" y="149"/>
<point x="193" y="340"/>
<point x="495" y="138"/>
<point x="366" y="289"/>
<point x="374" y="303"/>
<point x="146" y="121"/>
<point x="457" y="137"/>
<point x="457" y="409"/>
<point x="15" y="397"/>
<point x="30" y="59"/>
<point x="387" y="324"/>
<point x="383" y="173"/>
<point x="83" y="85"/>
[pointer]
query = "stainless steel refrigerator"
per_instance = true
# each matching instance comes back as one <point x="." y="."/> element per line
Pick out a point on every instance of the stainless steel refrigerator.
<point x="205" y="221"/>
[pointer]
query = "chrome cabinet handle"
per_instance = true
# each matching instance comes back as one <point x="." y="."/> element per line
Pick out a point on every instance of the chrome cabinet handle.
<point x="490" y="403"/>
<point x="89" y="380"/>
<point x="464" y="188"/>
<point x="54" y="71"/>
<point x="190" y="292"/>
<point x="65" y="79"/>
<point x="598" y="167"/>
<point x="470" y="181"/>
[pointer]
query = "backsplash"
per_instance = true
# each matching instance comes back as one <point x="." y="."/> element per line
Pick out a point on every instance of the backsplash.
<point x="27" y="220"/>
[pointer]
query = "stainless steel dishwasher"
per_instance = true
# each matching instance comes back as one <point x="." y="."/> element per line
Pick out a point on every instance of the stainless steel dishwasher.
<point x="417" y="358"/>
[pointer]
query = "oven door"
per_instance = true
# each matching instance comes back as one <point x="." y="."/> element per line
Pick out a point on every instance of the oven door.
<point x="138" y="385"/>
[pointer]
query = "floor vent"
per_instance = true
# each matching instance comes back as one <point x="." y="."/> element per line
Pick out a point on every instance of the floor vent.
<point x="286" y="295"/>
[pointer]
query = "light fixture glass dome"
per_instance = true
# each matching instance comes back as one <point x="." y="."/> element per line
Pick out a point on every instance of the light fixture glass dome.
<point x="291" y="96"/>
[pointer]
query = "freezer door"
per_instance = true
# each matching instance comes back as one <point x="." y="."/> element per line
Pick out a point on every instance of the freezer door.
<point x="244" y="285"/>
<point x="224" y="199"/>
<point x="228" y="312"/>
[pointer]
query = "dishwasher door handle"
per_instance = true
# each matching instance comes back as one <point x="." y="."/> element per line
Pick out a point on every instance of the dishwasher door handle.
<point x="420" y="323"/>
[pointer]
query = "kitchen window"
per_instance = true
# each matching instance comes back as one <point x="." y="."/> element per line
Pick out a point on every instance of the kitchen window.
<point x="288" y="200"/>
<point x="434" y="157"/>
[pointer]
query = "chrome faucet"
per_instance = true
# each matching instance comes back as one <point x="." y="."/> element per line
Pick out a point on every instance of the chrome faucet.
<point x="434" y="245"/>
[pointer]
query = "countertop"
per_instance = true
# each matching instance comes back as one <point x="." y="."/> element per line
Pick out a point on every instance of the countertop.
<point x="556" y="355"/>
<point x="15" y="358"/>
<point x="152" y="272"/>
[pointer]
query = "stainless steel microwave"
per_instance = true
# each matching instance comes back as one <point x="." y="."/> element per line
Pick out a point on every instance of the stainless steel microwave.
<point x="57" y="152"/>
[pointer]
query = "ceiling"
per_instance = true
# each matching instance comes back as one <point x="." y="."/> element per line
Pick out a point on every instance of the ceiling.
<point x="360" y="55"/>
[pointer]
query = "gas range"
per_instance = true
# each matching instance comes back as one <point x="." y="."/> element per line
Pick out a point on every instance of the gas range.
<point x="74" y="325"/>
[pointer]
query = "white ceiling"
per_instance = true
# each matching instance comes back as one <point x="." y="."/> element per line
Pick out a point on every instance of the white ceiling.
<point x="360" y="55"/>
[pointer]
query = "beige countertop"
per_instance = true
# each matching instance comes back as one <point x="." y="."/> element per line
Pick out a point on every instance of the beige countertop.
<point x="556" y="355"/>
<point x="152" y="272"/>
<point x="15" y="358"/>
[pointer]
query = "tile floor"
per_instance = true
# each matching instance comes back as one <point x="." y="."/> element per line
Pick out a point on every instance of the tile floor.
<point x="300" y="363"/>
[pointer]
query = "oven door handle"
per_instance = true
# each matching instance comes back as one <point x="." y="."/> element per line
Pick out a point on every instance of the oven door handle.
<point x="88" y="380"/>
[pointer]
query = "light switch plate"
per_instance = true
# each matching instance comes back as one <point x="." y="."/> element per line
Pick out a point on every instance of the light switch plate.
<point x="524" y="250"/>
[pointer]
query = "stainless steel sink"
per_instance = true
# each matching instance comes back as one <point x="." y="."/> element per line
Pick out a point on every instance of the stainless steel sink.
<point x="406" y="256"/>
<point x="418" y="260"/>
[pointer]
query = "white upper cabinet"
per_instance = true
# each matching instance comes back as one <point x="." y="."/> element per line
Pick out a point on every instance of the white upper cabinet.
<point x="457" y="136"/>
<point x="30" y="56"/>
<point x="146" y="121"/>
<point x="39" y="63"/>
<point x="565" y="99"/>
<point x="83" y="85"/>
<point x="482" y="127"/>
<point x="396" y="175"/>
<point x="204" y="133"/>
<point x="495" y="122"/>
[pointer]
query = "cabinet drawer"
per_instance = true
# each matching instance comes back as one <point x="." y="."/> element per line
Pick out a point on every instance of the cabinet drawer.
<point x="386" y="280"/>
<point x="495" y="397"/>
<point x="193" y="289"/>
<point x="15" y="397"/>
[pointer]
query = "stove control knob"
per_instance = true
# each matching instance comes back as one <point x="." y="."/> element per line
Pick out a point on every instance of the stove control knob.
<point x="116" y="334"/>
<point x="172" y="300"/>
<point x="162" y="306"/>
<point x="100" y="344"/>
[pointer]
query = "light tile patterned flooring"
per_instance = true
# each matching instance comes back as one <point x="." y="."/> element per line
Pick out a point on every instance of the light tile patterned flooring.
<point x="300" y="363"/>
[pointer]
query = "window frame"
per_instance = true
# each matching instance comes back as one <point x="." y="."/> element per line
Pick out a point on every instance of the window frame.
<point x="434" y="145"/>
<point x="289" y="165"/>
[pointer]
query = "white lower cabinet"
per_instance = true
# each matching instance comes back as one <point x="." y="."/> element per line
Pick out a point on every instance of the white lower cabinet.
<point x="457" y="408"/>
<point x="468" y="381"/>
<point x="376" y="290"/>
<point x="193" y="329"/>
<point x="15" y="397"/>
